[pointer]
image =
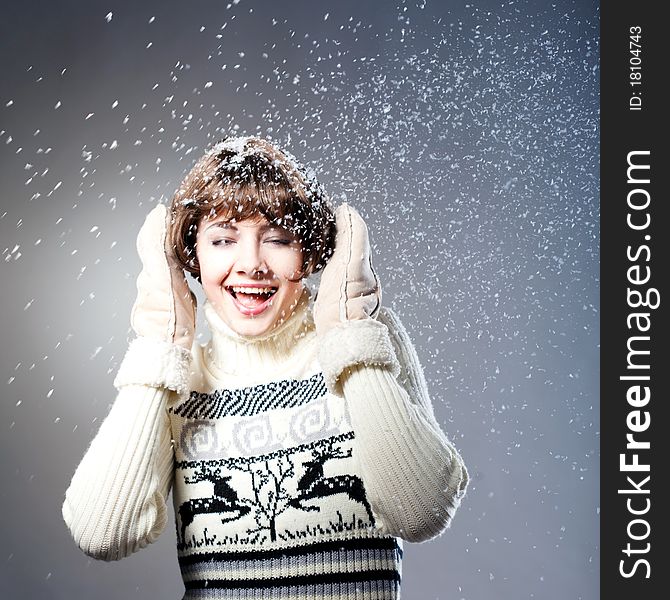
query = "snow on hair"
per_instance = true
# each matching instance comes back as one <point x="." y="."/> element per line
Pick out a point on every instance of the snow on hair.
<point x="247" y="177"/>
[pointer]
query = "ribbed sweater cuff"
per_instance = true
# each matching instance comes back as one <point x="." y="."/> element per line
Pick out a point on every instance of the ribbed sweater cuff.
<point x="155" y="363"/>
<point x="351" y="343"/>
<point x="115" y="503"/>
<point x="414" y="476"/>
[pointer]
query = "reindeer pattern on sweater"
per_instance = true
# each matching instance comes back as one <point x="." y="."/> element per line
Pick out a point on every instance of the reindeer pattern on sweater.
<point x="266" y="464"/>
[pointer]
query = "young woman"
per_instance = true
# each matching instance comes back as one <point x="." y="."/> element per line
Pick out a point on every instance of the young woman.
<point x="299" y="443"/>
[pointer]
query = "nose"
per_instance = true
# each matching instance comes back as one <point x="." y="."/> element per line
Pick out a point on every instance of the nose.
<point x="251" y="260"/>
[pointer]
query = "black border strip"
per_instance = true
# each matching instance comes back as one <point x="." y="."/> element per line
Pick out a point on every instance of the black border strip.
<point x="383" y="575"/>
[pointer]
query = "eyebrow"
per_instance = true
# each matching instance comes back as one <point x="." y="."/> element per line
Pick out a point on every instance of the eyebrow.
<point x="229" y="225"/>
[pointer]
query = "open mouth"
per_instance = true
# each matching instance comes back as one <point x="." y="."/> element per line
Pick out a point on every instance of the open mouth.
<point x="252" y="300"/>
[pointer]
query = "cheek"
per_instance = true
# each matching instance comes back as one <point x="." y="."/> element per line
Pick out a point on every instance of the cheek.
<point x="287" y="263"/>
<point x="214" y="266"/>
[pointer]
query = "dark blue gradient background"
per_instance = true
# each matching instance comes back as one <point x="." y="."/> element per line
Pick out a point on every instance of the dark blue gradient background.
<point x="465" y="133"/>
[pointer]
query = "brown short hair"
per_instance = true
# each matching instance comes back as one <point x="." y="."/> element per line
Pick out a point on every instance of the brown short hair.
<point x="248" y="177"/>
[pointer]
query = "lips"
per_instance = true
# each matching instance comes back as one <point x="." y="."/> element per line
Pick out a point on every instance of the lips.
<point x="251" y="299"/>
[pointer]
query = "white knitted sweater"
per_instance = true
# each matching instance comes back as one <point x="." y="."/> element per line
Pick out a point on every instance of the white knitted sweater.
<point x="298" y="465"/>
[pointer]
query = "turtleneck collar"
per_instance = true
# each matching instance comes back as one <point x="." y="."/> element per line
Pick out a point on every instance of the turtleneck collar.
<point x="229" y="353"/>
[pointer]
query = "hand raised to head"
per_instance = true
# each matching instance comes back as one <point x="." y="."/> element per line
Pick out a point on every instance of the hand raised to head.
<point x="163" y="315"/>
<point x="349" y="289"/>
<point x="165" y="306"/>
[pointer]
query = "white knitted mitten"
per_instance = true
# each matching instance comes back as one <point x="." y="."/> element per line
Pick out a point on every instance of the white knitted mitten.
<point x="163" y="316"/>
<point x="347" y="303"/>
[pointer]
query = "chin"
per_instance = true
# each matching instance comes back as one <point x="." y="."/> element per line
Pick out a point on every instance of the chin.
<point x="251" y="329"/>
<point x="251" y="326"/>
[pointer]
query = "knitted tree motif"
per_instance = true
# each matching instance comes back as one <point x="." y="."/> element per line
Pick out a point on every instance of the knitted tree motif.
<point x="270" y="498"/>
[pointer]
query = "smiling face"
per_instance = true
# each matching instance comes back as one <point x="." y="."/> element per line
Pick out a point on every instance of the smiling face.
<point x="250" y="272"/>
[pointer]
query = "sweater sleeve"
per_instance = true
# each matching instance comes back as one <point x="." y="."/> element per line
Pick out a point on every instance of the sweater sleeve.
<point x="414" y="476"/>
<point x="116" y="502"/>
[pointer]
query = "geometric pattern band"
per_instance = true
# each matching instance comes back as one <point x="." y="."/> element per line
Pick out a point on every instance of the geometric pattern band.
<point x="251" y="400"/>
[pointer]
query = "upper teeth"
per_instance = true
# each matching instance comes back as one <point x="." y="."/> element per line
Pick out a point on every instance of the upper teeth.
<point x="252" y="290"/>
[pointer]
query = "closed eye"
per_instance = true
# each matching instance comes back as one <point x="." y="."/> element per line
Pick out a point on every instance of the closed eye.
<point x="279" y="241"/>
<point x="222" y="242"/>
